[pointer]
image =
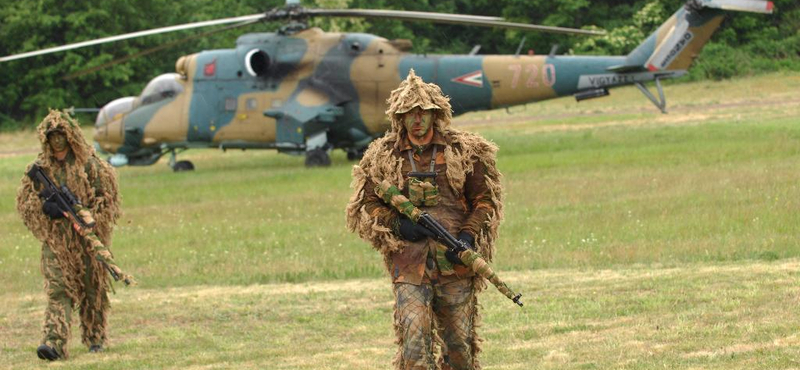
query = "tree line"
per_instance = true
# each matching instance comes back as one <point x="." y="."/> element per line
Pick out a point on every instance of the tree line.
<point x="746" y="43"/>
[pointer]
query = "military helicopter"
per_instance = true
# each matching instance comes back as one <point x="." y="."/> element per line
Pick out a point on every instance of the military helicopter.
<point x="304" y="91"/>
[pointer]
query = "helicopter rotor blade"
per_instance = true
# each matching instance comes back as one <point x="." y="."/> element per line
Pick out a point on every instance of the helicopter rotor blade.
<point x="297" y="12"/>
<point x="126" y="58"/>
<point x="756" y="6"/>
<point x="469" y="20"/>
<point x="155" y="31"/>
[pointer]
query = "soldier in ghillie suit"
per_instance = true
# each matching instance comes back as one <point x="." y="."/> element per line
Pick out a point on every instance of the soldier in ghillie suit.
<point x="72" y="258"/>
<point x="452" y="175"/>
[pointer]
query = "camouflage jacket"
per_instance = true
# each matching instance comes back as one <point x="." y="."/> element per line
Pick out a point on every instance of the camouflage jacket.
<point x="471" y="200"/>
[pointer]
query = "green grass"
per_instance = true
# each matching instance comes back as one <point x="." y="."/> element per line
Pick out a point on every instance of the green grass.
<point x="705" y="315"/>
<point x="648" y="240"/>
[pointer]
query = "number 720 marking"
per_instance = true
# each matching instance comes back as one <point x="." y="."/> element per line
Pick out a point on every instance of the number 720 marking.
<point x="548" y="75"/>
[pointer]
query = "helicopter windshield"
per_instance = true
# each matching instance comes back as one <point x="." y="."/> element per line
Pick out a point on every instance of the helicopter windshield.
<point x="114" y="108"/>
<point x="161" y="87"/>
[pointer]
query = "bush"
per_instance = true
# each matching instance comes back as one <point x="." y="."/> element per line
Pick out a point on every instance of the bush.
<point x="719" y="61"/>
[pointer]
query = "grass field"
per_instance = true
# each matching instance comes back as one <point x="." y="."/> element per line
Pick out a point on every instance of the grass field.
<point x="640" y="240"/>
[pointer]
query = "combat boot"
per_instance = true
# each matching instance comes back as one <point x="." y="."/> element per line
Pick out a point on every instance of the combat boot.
<point x="96" y="348"/>
<point x="48" y="353"/>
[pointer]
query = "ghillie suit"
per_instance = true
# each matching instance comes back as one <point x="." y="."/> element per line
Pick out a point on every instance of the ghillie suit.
<point x="425" y="284"/>
<point x="73" y="276"/>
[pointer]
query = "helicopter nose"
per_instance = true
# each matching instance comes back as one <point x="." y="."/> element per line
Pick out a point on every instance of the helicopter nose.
<point x="110" y="135"/>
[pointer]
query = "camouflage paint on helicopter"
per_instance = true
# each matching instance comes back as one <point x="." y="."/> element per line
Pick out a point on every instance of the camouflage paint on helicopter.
<point x="309" y="91"/>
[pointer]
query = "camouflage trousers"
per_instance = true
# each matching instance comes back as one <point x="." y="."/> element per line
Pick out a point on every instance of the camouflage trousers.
<point x="94" y="305"/>
<point x="429" y="313"/>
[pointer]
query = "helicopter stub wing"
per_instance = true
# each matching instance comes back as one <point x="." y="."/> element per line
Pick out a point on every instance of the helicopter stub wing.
<point x="306" y="114"/>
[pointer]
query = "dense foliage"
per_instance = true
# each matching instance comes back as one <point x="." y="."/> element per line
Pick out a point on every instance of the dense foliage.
<point x="746" y="44"/>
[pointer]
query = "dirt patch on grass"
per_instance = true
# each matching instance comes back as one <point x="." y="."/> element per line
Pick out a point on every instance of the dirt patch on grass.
<point x="16" y="152"/>
<point x="210" y="292"/>
<point x="741" y="348"/>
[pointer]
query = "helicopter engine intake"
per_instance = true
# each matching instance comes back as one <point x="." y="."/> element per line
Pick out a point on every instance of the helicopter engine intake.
<point x="257" y="62"/>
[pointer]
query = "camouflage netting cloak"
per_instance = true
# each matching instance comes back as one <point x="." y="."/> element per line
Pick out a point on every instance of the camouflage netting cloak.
<point x="463" y="149"/>
<point x="105" y="207"/>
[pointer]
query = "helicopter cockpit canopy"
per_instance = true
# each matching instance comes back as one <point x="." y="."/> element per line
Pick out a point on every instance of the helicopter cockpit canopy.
<point x="112" y="110"/>
<point x="162" y="87"/>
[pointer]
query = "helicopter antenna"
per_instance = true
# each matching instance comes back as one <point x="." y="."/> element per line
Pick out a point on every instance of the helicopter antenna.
<point x="519" y="48"/>
<point x="475" y="49"/>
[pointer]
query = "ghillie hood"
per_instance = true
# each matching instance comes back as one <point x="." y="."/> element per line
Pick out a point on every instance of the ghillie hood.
<point x="61" y="121"/>
<point x="413" y="92"/>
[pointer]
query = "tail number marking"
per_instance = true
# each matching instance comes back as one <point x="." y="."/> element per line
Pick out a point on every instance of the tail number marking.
<point x="679" y="46"/>
<point x="547" y="75"/>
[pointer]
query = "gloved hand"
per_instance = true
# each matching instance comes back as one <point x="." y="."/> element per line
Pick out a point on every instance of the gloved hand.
<point x="411" y="231"/>
<point x="51" y="209"/>
<point x="452" y="256"/>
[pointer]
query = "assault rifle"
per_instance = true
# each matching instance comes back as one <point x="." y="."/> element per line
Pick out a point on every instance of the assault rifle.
<point x="472" y="259"/>
<point x="67" y="202"/>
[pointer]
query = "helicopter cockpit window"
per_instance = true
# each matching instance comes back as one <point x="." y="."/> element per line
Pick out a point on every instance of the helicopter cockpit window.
<point x="114" y="108"/>
<point x="160" y="88"/>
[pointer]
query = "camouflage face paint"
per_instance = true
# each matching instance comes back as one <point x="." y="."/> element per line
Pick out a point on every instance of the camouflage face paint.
<point x="418" y="121"/>
<point x="57" y="141"/>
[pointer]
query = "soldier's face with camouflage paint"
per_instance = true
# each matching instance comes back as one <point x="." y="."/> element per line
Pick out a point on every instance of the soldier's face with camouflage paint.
<point x="57" y="141"/>
<point x="418" y="121"/>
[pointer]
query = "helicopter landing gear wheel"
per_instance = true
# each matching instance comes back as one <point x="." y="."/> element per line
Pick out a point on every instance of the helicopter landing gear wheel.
<point x="176" y="165"/>
<point x="318" y="158"/>
<point x="181" y="166"/>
